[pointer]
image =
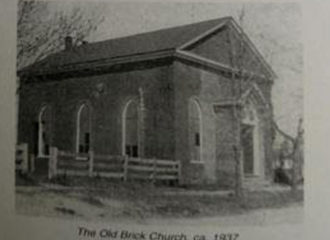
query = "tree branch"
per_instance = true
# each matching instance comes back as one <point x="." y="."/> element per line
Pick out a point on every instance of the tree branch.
<point x="284" y="134"/>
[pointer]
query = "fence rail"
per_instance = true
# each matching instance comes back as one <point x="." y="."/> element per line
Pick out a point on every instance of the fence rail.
<point x="111" y="166"/>
<point x="21" y="157"/>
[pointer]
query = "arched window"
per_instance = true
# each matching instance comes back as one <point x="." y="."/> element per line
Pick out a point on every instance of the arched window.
<point x="44" y="131"/>
<point x="195" y="131"/>
<point x="130" y="129"/>
<point x="83" y="129"/>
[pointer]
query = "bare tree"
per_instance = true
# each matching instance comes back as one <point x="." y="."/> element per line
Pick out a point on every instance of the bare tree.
<point x="296" y="151"/>
<point x="241" y="79"/>
<point x="274" y="49"/>
<point x="41" y="29"/>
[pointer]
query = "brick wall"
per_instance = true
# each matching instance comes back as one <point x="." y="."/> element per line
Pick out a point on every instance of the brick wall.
<point x="218" y="135"/>
<point x="207" y="87"/>
<point x="106" y="94"/>
<point x="167" y="89"/>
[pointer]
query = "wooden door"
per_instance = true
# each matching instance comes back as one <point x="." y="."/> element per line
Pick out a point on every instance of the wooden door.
<point x="247" y="147"/>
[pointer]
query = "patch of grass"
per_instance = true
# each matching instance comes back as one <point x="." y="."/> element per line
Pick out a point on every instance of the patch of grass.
<point x="212" y="205"/>
<point x="23" y="179"/>
<point x="191" y="206"/>
<point x="155" y="202"/>
<point x="92" y="200"/>
<point x="205" y="187"/>
<point x="267" y="199"/>
<point x="144" y="200"/>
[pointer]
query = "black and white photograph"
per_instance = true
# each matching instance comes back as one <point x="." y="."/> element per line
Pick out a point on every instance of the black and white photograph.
<point x="160" y="113"/>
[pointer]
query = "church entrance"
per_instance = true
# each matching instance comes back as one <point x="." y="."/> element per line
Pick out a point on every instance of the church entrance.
<point x="247" y="148"/>
<point x="250" y="140"/>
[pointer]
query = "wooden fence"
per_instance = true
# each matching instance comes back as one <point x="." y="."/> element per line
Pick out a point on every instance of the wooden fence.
<point x="21" y="158"/>
<point x="108" y="166"/>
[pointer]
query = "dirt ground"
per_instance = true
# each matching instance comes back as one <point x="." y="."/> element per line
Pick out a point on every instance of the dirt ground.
<point x="293" y="214"/>
<point x="144" y="204"/>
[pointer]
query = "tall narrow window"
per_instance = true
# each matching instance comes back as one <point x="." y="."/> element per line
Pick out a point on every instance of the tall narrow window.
<point x="130" y="129"/>
<point x="83" y="129"/>
<point x="195" y="131"/>
<point x="44" y="131"/>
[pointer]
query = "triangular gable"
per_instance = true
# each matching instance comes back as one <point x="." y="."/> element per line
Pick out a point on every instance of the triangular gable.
<point x="255" y="94"/>
<point x="252" y="93"/>
<point x="215" y="45"/>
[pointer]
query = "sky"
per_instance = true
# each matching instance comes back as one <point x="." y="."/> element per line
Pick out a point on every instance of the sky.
<point x="275" y="29"/>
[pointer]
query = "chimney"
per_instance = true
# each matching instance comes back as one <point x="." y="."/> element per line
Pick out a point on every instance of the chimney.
<point x="68" y="43"/>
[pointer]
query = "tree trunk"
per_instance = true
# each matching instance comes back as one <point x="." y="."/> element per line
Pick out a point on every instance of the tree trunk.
<point x="239" y="192"/>
<point x="238" y="154"/>
<point x="296" y="158"/>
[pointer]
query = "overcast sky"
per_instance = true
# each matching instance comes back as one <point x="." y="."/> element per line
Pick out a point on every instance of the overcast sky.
<point x="275" y="29"/>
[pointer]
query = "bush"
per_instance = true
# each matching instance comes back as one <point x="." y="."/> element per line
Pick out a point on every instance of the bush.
<point x="282" y="176"/>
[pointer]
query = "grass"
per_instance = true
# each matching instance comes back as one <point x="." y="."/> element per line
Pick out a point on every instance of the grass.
<point x="25" y="180"/>
<point x="102" y="198"/>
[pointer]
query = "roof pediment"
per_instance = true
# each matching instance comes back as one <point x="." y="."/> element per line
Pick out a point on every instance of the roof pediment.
<point x="251" y="94"/>
<point x="228" y="45"/>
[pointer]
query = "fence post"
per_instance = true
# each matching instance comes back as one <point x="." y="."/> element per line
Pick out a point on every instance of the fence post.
<point x="91" y="163"/>
<point x="55" y="161"/>
<point x="52" y="163"/>
<point x="179" y="167"/>
<point x="22" y="158"/>
<point x="25" y="157"/>
<point x="154" y="170"/>
<point x="125" y="168"/>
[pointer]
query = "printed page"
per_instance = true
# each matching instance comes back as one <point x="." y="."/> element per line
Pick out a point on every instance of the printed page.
<point x="153" y="120"/>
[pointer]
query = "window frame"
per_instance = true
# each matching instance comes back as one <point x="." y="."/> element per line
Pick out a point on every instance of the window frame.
<point x="124" y="131"/>
<point x="197" y="105"/>
<point x="78" y="130"/>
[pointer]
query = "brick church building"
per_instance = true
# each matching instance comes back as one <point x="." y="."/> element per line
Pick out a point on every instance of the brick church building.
<point x="166" y="94"/>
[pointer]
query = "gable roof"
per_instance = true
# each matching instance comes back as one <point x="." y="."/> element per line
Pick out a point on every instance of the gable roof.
<point x="126" y="48"/>
<point x="164" y="39"/>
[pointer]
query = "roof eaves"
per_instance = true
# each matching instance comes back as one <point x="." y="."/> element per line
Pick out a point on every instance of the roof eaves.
<point x="201" y="60"/>
<point x="212" y="64"/>
<point x="102" y="63"/>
